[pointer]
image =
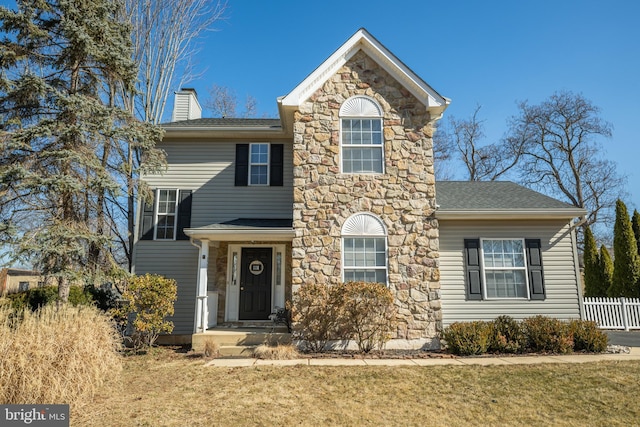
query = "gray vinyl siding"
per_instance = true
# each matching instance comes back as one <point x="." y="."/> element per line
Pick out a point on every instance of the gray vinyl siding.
<point x="177" y="260"/>
<point x="562" y="299"/>
<point x="207" y="168"/>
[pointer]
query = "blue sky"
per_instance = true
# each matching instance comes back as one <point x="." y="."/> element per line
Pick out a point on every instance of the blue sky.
<point x="490" y="53"/>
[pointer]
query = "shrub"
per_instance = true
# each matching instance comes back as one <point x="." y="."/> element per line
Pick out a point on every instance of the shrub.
<point x="278" y="352"/>
<point x="316" y="312"/>
<point x="39" y="297"/>
<point x="368" y="315"/>
<point x="55" y="355"/>
<point x="548" y="335"/>
<point x="149" y="300"/>
<point x="211" y="348"/>
<point x="467" y="338"/>
<point x="587" y="336"/>
<point x="507" y="336"/>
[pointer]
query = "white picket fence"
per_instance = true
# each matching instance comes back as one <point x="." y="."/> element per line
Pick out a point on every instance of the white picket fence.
<point x="613" y="313"/>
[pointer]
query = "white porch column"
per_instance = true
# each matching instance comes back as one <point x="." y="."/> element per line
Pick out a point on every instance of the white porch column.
<point x="202" y="316"/>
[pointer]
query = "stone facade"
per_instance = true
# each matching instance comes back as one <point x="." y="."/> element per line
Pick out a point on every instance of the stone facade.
<point x="403" y="197"/>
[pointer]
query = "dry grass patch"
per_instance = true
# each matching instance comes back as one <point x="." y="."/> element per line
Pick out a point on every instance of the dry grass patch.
<point x="56" y="355"/>
<point x="278" y="352"/>
<point x="165" y="388"/>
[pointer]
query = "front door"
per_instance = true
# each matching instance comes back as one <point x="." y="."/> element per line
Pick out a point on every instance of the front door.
<point x="255" y="284"/>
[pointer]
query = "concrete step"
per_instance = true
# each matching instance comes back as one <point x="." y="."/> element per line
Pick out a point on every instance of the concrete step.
<point x="236" y="351"/>
<point x="234" y="337"/>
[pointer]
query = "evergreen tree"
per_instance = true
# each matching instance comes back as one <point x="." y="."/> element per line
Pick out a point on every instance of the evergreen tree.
<point x="63" y="64"/>
<point x="626" y="262"/>
<point x="635" y="224"/>
<point x="606" y="271"/>
<point x="592" y="272"/>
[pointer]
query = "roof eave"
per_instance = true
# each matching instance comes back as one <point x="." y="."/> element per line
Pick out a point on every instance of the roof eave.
<point x="241" y="234"/>
<point x="509" y="214"/>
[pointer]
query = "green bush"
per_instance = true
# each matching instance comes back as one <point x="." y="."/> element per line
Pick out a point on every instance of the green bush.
<point x="548" y="335"/>
<point x="587" y="336"/>
<point x="507" y="336"/>
<point x="39" y="297"/>
<point x="368" y="314"/>
<point x="149" y="300"/>
<point x="467" y="338"/>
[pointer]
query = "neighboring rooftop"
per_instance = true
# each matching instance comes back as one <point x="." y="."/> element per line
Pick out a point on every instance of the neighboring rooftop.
<point x="499" y="198"/>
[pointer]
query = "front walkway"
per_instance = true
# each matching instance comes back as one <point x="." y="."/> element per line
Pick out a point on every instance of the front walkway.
<point x="634" y="354"/>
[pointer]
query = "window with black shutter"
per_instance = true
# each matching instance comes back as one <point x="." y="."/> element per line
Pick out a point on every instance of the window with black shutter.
<point x="503" y="268"/>
<point x="167" y="216"/>
<point x="259" y="163"/>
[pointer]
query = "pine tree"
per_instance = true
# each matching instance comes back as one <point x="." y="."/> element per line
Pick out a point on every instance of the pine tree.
<point x="626" y="262"/>
<point x="592" y="272"/>
<point x="635" y="224"/>
<point x="606" y="271"/>
<point x="62" y="66"/>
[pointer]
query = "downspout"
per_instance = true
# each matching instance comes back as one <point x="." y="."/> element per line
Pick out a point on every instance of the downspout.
<point x="574" y="244"/>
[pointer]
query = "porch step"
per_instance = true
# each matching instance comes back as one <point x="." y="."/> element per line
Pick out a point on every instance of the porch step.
<point x="236" y="351"/>
<point x="245" y="337"/>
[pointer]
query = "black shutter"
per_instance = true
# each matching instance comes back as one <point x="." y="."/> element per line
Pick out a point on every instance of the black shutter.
<point x="276" y="168"/>
<point x="534" y="267"/>
<point x="472" y="265"/>
<point x="146" y="225"/>
<point x="184" y="213"/>
<point x="242" y="165"/>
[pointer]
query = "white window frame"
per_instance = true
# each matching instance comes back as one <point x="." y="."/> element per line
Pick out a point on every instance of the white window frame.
<point x="524" y="268"/>
<point x="157" y="213"/>
<point x="361" y="108"/>
<point x="365" y="225"/>
<point x="23" y="286"/>
<point x="267" y="164"/>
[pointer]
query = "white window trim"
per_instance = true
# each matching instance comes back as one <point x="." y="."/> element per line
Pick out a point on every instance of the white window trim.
<point x="484" y="268"/>
<point x="267" y="164"/>
<point x="377" y="146"/>
<point x="156" y="213"/>
<point x="359" y="226"/>
<point x="361" y="107"/>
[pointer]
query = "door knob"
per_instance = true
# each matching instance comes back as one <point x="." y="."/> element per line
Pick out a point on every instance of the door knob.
<point x="242" y="288"/>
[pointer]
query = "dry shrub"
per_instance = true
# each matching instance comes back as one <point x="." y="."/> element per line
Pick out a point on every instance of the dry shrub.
<point x="56" y="355"/>
<point x="316" y="312"/>
<point x="587" y="336"/>
<point x="548" y="335"/>
<point x="467" y="338"/>
<point x="279" y="352"/>
<point x="211" y="348"/>
<point x="368" y="313"/>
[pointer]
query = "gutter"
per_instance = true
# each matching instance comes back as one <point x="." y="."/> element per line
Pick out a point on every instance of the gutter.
<point x="509" y="214"/>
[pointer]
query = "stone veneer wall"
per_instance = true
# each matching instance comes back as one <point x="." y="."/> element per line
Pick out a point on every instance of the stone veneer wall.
<point x="403" y="197"/>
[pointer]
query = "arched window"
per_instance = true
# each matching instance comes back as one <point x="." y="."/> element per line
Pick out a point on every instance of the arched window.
<point x="361" y="137"/>
<point x="364" y="249"/>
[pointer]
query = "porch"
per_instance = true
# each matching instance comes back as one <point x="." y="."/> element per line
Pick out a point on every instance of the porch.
<point x="235" y="340"/>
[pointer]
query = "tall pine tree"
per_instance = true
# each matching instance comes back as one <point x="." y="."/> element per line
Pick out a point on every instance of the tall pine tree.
<point x="592" y="271"/>
<point x="626" y="262"/>
<point x="62" y="65"/>
<point x="635" y="224"/>
<point x="606" y="271"/>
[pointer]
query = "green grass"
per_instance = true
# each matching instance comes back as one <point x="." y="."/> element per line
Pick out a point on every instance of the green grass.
<point x="166" y="388"/>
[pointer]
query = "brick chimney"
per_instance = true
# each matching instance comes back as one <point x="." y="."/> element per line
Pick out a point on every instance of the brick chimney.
<point x="186" y="105"/>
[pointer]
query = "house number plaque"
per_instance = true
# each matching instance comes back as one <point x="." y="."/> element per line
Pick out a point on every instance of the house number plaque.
<point x="256" y="267"/>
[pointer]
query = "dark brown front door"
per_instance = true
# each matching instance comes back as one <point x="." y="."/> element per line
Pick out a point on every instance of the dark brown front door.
<point x="255" y="284"/>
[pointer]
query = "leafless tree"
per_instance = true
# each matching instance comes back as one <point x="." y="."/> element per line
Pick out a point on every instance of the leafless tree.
<point x="562" y="154"/>
<point x="462" y="140"/>
<point x="223" y="102"/>
<point x="165" y="43"/>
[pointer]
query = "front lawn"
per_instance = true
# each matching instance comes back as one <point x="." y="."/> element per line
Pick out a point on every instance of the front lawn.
<point x="168" y="388"/>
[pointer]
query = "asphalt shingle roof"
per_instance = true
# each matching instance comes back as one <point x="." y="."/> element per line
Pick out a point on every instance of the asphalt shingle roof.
<point x="492" y="195"/>
<point x="225" y="122"/>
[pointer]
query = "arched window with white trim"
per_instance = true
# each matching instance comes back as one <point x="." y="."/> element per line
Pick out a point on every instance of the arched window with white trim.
<point x="361" y="137"/>
<point x="364" y="249"/>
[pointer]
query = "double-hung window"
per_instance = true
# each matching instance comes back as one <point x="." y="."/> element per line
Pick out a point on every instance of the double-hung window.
<point x="505" y="270"/>
<point x="361" y="136"/>
<point x="364" y="249"/>
<point x="259" y="164"/>
<point x="497" y="268"/>
<point x="166" y="214"/>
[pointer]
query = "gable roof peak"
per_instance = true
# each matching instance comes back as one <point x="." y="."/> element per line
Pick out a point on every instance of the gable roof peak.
<point x="363" y="40"/>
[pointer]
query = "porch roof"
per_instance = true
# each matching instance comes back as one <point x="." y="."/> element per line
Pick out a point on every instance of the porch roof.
<point x="245" y="229"/>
